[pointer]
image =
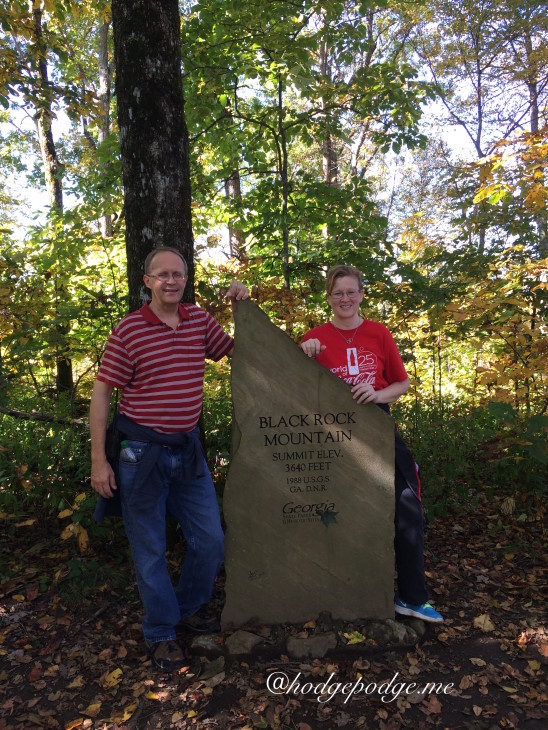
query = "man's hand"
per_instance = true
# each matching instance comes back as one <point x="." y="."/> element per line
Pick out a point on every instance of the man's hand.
<point x="102" y="478"/>
<point x="312" y="348"/>
<point x="237" y="291"/>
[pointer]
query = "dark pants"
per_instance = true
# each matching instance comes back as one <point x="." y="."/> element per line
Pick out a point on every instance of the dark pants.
<point x="409" y="529"/>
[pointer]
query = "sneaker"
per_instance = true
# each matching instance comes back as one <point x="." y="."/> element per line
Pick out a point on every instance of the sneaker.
<point x="167" y="655"/>
<point x="424" y="612"/>
<point x="201" y="623"/>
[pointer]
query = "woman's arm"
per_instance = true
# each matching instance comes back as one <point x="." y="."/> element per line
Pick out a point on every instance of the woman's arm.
<point x="366" y="393"/>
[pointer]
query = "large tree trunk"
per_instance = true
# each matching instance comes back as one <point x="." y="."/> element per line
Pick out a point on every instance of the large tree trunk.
<point x="153" y="135"/>
<point x="52" y="173"/>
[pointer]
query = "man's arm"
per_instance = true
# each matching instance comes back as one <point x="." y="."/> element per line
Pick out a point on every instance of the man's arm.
<point x="236" y="292"/>
<point x="102" y="476"/>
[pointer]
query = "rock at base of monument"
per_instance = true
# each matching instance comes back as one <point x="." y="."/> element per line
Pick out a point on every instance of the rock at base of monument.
<point x="315" y="647"/>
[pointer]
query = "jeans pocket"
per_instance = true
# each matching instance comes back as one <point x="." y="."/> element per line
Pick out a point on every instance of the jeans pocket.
<point x="132" y="452"/>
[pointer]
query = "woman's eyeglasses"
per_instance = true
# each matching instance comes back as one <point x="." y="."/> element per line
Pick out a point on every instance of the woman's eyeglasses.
<point x="351" y="293"/>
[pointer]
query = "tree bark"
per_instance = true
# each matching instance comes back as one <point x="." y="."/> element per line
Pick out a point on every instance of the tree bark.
<point x="329" y="152"/>
<point x="233" y="191"/>
<point x="153" y="135"/>
<point x="54" y="185"/>
<point x="104" y="102"/>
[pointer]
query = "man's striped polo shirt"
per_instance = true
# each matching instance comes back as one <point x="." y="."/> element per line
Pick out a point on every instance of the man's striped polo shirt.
<point x="161" y="370"/>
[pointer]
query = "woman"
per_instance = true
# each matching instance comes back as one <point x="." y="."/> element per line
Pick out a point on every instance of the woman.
<point x="364" y="354"/>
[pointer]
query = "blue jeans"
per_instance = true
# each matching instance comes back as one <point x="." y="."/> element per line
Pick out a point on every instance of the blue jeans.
<point x="194" y="505"/>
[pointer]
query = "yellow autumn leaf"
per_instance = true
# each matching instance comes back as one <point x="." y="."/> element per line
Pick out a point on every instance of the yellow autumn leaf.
<point x="19" y="598"/>
<point x="65" y="513"/>
<point x="192" y="713"/>
<point x="83" y="538"/>
<point x="80" y="498"/>
<point x="125" y="715"/>
<point x="26" y="523"/>
<point x="152" y="695"/>
<point x="68" y="531"/>
<point x="71" y="724"/>
<point x="511" y="690"/>
<point x="23" y="469"/>
<point x="112" y="679"/>
<point x="77" y="682"/>
<point x="536" y="197"/>
<point x="534" y="665"/>
<point x="484" y="623"/>
<point x="92" y="710"/>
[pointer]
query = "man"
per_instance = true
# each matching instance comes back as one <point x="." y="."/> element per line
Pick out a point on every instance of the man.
<point x="156" y="356"/>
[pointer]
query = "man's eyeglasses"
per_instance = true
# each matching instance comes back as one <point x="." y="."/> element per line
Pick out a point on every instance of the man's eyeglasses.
<point x="166" y="276"/>
<point x="351" y="293"/>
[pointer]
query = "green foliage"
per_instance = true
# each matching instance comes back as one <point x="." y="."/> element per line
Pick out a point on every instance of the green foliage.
<point x="217" y="420"/>
<point x="42" y="465"/>
<point x="463" y="452"/>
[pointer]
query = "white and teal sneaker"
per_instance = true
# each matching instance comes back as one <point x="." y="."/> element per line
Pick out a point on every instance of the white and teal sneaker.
<point x="424" y="612"/>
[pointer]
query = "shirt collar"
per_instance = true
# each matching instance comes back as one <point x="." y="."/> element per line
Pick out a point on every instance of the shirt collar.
<point x="152" y="318"/>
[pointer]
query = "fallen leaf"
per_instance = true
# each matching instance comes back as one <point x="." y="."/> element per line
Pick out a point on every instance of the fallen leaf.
<point x="83" y="539"/>
<point x="478" y="662"/>
<point x="93" y="710"/>
<point x="477" y="710"/>
<point x="65" y="513"/>
<point x="484" y="623"/>
<point x="125" y="714"/>
<point x="434" y="705"/>
<point x="112" y="679"/>
<point x="19" y="598"/>
<point x="71" y="724"/>
<point x="35" y="674"/>
<point x="77" y="682"/>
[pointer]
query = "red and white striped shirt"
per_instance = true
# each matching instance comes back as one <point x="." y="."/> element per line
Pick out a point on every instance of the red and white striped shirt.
<point x="161" y="370"/>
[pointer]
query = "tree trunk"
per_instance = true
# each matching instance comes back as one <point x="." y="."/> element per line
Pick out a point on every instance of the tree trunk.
<point x="284" y="175"/>
<point x="329" y="153"/>
<point x="153" y="135"/>
<point x="104" y="103"/>
<point x="233" y="191"/>
<point x="532" y="86"/>
<point x="54" y="186"/>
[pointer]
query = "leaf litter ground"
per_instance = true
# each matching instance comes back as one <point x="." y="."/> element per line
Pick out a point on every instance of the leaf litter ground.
<point x="72" y="662"/>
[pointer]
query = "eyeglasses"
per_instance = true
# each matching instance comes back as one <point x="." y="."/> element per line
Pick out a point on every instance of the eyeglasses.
<point x="167" y="275"/>
<point x="351" y="293"/>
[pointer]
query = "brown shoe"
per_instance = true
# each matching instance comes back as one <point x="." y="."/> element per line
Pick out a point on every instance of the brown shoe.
<point x="167" y="655"/>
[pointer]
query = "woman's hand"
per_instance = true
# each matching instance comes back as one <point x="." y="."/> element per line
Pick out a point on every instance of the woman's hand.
<point x="312" y="348"/>
<point x="365" y="393"/>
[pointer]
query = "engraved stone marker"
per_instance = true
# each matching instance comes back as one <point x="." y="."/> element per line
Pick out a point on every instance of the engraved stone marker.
<point x="309" y="498"/>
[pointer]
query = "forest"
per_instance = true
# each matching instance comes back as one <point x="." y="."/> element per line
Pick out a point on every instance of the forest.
<point x="406" y="138"/>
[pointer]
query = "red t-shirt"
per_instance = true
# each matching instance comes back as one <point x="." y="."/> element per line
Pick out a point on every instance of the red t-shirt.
<point x="161" y="370"/>
<point x="371" y="357"/>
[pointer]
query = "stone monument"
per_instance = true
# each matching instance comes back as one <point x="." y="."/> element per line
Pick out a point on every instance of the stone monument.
<point x="309" y="498"/>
